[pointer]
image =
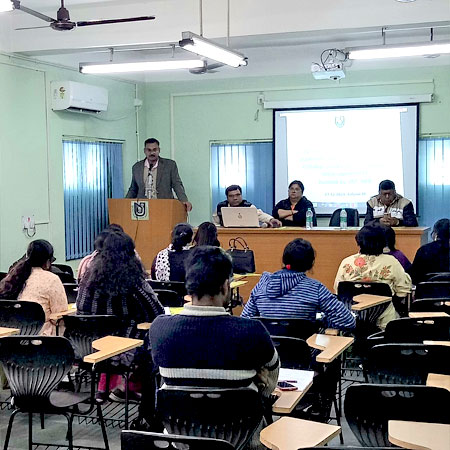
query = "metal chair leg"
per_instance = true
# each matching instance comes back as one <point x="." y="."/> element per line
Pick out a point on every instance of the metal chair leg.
<point x="30" y="431"/>
<point x="69" y="435"/>
<point x="126" y="377"/>
<point x="42" y="421"/>
<point x="102" y="425"/>
<point x="8" y="432"/>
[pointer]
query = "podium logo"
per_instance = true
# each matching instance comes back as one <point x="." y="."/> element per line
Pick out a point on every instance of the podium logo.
<point x="139" y="210"/>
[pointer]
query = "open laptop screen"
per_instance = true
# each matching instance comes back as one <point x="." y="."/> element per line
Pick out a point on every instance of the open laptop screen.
<point x="240" y="217"/>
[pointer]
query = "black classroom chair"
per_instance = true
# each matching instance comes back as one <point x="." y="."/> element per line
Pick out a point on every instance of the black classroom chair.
<point x="406" y="363"/>
<point x="29" y="317"/>
<point x="230" y="414"/>
<point x="71" y="291"/>
<point x="294" y="353"/>
<point x="141" y="440"/>
<point x="296" y="328"/>
<point x="169" y="298"/>
<point x="369" y="407"/>
<point x="431" y="305"/>
<point x="81" y="331"/>
<point x="177" y="286"/>
<point x="437" y="276"/>
<point x="352" y="217"/>
<point x="432" y="289"/>
<point x="413" y="330"/>
<point x="33" y="391"/>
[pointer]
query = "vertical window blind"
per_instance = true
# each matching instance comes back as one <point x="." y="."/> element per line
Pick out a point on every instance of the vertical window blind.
<point x="92" y="174"/>
<point x="249" y="165"/>
<point x="434" y="180"/>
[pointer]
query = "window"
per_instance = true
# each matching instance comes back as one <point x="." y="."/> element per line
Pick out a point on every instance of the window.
<point x="434" y="179"/>
<point x="250" y="165"/>
<point x="92" y="174"/>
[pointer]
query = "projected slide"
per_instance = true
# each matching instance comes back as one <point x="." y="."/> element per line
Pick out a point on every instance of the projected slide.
<point x="342" y="154"/>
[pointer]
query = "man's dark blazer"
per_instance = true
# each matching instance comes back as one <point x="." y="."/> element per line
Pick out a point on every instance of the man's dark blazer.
<point x="167" y="179"/>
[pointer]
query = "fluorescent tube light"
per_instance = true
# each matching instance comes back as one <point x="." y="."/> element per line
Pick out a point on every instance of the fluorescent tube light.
<point x="143" y="66"/>
<point x="6" y="5"/>
<point x="396" y="51"/>
<point x="204" y="47"/>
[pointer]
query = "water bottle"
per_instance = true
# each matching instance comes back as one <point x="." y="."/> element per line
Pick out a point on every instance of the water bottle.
<point x="343" y="219"/>
<point x="309" y="219"/>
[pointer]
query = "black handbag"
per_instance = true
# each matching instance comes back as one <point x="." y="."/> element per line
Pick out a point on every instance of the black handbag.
<point x="243" y="259"/>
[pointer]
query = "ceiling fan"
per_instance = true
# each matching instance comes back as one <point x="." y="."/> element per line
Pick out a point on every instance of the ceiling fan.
<point x="63" y="22"/>
<point x="207" y="68"/>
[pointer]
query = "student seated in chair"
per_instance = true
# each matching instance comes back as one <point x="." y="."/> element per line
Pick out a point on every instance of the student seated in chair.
<point x="205" y="346"/>
<point x="290" y="293"/>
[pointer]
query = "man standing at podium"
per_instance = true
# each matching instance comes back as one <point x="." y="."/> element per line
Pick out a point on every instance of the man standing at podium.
<point x="156" y="177"/>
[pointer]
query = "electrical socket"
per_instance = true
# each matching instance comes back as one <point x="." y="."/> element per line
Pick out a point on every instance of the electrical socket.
<point x="28" y="222"/>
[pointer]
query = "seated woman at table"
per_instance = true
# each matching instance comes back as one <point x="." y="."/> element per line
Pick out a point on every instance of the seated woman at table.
<point x="435" y="256"/>
<point x="206" y="235"/>
<point x="292" y="211"/>
<point x="169" y="262"/>
<point x="371" y="264"/>
<point x="115" y="284"/>
<point x="289" y="293"/>
<point x="30" y="279"/>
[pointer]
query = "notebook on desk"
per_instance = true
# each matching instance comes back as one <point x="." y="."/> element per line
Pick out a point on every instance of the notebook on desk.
<point x="240" y="217"/>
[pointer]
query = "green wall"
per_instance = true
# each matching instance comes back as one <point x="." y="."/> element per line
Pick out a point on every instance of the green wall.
<point x="31" y="165"/>
<point x="187" y="116"/>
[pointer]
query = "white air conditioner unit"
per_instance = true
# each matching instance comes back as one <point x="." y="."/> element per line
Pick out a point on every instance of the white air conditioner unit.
<point x="78" y="97"/>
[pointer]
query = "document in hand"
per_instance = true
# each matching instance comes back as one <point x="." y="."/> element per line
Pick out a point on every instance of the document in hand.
<point x="302" y="379"/>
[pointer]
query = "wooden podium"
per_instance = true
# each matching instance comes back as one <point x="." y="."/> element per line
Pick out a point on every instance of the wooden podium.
<point x="148" y="222"/>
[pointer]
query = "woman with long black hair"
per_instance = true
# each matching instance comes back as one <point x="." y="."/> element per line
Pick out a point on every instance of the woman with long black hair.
<point x="30" y="279"/>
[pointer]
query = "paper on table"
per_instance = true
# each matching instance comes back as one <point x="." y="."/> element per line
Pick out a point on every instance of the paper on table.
<point x="302" y="379"/>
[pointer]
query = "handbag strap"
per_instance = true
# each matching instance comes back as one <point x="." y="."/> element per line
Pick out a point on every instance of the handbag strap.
<point x="238" y="240"/>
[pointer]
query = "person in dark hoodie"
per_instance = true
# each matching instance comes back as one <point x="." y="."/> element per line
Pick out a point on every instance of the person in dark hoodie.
<point x="289" y="293"/>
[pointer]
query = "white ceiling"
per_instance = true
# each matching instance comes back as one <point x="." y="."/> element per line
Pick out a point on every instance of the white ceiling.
<point x="278" y="37"/>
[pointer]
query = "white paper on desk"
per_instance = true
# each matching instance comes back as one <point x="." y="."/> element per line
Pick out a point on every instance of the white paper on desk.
<point x="302" y="379"/>
<point x="167" y="311"/>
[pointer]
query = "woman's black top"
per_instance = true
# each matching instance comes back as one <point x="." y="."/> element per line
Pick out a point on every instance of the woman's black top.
<point x="300" y="217"/>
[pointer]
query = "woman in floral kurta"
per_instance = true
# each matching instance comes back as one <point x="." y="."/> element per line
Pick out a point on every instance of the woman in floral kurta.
<point x="370" y="264"/>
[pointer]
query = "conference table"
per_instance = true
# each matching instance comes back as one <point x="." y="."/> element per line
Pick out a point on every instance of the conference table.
<point x="332" y="245"/>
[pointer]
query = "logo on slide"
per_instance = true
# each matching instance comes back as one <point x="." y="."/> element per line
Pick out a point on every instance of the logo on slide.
<point x="139" y="210"/>
<point x="339" y="121"/>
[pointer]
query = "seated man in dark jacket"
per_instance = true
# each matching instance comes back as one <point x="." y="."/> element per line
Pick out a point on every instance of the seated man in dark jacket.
<point x="390" y="208"/>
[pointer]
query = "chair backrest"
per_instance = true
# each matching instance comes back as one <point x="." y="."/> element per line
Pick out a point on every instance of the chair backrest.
<point x="82" y="330"/>
<point x="177" y="286"/>
<point x="64" y="268"/>
<point x="142" y="440"/>
<point x="366" y="319"/>
<point x="71" y="291"/>
<point x="229" y="414"/>
<point x="297" y="328"/>
<point x="352" y="217"/>
<point x="294" y="353"/>
<point x="437" y="276"/>
<point x="406" y="363"/>
<point x="417" y="330"/>
<point x="169" y="298"/>
<point x="369" y="407"/>
<point x="28" y="316"/>
<point x="431" y="305"/>
<point x="34" y="365"/>
<point x="433" y="289"/>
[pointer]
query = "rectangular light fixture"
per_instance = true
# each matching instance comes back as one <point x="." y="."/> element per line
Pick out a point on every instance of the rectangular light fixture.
<point x="397" y="51"/>
<point x="6" y="5"/>
<point x="143" y="66"/>
<point x="204" y="47"/>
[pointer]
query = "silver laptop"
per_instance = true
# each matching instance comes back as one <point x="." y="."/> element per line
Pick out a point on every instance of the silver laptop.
<point x="240" y="217"/>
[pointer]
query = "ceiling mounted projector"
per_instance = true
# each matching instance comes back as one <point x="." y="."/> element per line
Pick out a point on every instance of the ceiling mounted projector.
<point x="334" y="71"/>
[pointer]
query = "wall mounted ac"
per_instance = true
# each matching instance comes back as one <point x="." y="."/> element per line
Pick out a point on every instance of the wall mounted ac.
<point x="78" y="97"/>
